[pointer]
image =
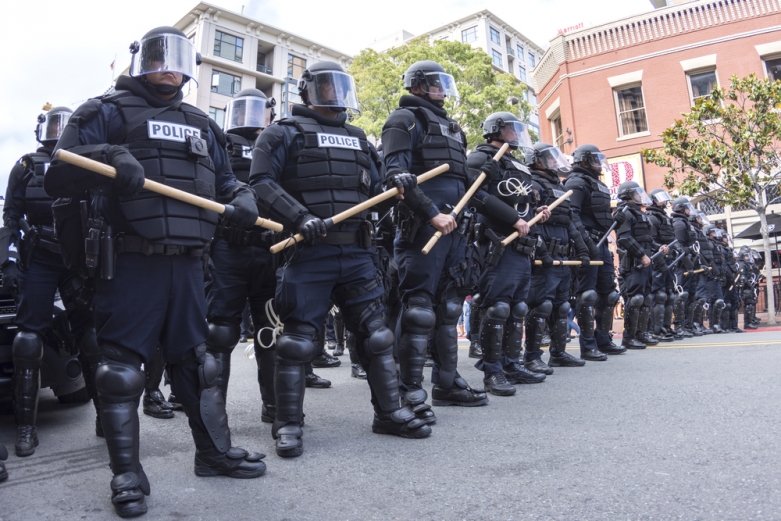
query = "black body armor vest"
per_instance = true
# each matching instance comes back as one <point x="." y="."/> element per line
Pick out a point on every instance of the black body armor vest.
<point x="663" y="225"/>
<point x="642" y="231"/>
<point x="240" y="155"/>
<point x="441" y="145"/>
<point x="38" y="205"/>
<point x="165" y="147"/>
<point x="706" y="247"/>
<point x="552" y="189"/>
<point x="332" y="173"/>
<point x="596" y="213"/>
<point x="683" y="221"/>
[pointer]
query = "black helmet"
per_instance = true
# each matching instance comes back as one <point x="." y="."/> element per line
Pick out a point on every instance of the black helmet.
<point x="505" y="127"/>
<point x="745" y="253"/>
<point x="590" y="157"/>
<point x="660" y="197"/>
<point x="164" y="49"/>
<point x="682" y="205"/>
<point x="432" y="79"/>
<point x="699" y="218"/>
<point x="710" y="228"/>
<point x="549" y="158"/>
<point x="632" y="192"/>
<point x="325" y="84"/>
<point x="249" y="110"/>
<point x="51" y="124"/>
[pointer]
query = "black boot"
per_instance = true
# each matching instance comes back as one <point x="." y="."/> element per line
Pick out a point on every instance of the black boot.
<point x="519" y="374"/>
<point x="25" y="409"/>
<point x="314" y="381"/>
<point x="459" y="394"/>
<point x="3" y="457"/>
<point x="154" y="405"/>
<point x="631" y="319"/>
<point x="558" y="341"/>
<point x="339" y="334"/>
<point x="475" y="318"/>
<point x="357" y="371"/>
<point x="643" y="335"/>
<point x="535" y="326"/>
<point x="497" y="384"/>
<point x="289" y="382"/>
<point x="492" y="337"/>
<point x="416" y="322"/>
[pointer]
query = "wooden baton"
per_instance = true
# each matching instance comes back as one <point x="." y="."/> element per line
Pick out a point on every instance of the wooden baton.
<point x="159" y="188"/>
<point x="465" y="199"/>
<point x="358" y="208"/>
<point x="570" y="263"/>
<point x="510" y="238"/>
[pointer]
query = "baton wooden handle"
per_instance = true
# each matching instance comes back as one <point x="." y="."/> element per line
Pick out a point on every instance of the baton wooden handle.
<point x="510" y="238"/>
<point x="159" y="188"/>
<point x="465" y="199"/>
<point x="358" y="208"/>
<point x="570" y="263"/>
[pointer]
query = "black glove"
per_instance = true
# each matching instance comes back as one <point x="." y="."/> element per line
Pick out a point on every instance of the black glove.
<point x="311" y="228"/>
<point x="242" y="210"/>
<point x="620" y="216"/>
<point x="130" y="174"/>
<point x="492" y="170"/>
<point x="585" y="260"/>
<point x="546" y="259"/>
<point x="593" y="251"/>
<point x="401" y="179"/>
<point x="10" y="280"/>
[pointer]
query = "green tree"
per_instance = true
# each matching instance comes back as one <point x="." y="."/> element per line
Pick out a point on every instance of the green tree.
<point x="728" y="147"/>
<point x="482" y="90"/>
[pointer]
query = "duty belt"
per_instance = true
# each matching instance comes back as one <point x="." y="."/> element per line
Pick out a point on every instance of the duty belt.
<point x="339" y="238"/>
<point x="525" y="245"/>
<point x="242" y="237"/>
<point x="561" y="249"/>
<point x="136" y="244"/>
<point x="47" y="239"/>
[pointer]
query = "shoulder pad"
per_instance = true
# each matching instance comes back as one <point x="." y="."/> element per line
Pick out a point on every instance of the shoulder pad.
<point x="87" y="110"/>
<point x="401" y="118"/>
<point x="217" y="131"/>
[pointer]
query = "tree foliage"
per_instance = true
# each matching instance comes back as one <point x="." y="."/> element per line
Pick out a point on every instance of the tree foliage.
<point x="378" y="78"/>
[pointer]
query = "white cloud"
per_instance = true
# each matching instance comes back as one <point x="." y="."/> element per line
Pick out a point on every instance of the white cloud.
<point x="59" y="51"/>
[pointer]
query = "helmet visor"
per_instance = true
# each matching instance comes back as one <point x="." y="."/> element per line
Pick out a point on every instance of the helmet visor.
<point x="516" y="134"/>
<point x="332" y="89"/>
<point x="164" y="53"/>
<point x="661" y="197"/>
<point x="553" y="159"/>
<point x="702" y="218"/>
<point x="50" y="129"/>
<point x="248" y="112"/>
<point x="641" y="198"/>
<point x="598" y="161"/>
<point x="440" y="83"/>
<point x="687" y="208"/>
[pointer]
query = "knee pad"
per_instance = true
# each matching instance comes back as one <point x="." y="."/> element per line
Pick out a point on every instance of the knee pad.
<point x="119" y="382"/>
<point x="476" y="299"/>
<point x="636" y="301"/>
<point x="27" y="350"/>
<point x="543" y="310"/>
<point x="612" y="298"/>
<point x="208" y="367"/>
<point x="296" y="346"/>
<point x="223" y="336"/>
<point x="519" y="311"/>
<point x="649" y="300"/>
<point x="380" y="342"/>
<point x="588" y="297"/>
<point x="418" y="320"/>
<point x="661" y="297"/>
<point x="563" y="310"/>
<point x="683" y="296"/>
<point x="419" y="299"/>
<point x="499" y="311"/>
<point x="89" y="343"/>
<point x="728" y="305"/>
<point x="450" y="311"/>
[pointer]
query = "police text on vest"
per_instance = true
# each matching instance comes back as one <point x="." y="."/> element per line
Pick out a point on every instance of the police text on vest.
<point x="337" y="141"/>
<point x="170" y="131"/>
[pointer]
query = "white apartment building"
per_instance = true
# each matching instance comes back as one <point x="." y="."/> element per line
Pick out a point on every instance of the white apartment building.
<point x="239" y="52"/>
<point x="509" y="49"/>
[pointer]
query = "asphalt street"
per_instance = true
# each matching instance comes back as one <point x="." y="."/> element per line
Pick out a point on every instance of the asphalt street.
<point x="689" y="431"/>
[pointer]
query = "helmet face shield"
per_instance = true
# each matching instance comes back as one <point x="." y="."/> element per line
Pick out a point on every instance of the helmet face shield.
<point x="332" y="89"/>
<point x="553" y="159"/>
<point x="515" y="134"/>
<point x="248" y="112"/>
<point x="702" y="218"/>
<point x="439" y="83"/>
<point x="52" y="125"/>
<point x="661" y="198"/>
<point x="164" y="53"/>
<point x="640" y="197"/>
<point x="598" y="161"/>
<point x="688" y="209"/>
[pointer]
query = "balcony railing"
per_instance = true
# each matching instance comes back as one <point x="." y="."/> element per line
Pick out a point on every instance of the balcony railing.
<point x="264" y="69"/>
<point x="510" y="52"/>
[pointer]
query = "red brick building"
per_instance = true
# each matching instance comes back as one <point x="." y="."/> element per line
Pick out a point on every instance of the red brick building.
<point x="620" y="84"/>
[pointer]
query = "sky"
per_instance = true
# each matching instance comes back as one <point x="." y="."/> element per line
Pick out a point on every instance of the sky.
<point x="60" y="51"/>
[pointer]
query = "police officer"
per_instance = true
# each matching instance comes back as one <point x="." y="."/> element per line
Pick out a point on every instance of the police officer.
<point x="662" y="293"/>
<point x="636" y="245"/>
<point x="504" y="206"/>
<point x="417" y="137"/>
<point x="550" y="286"/>
<point x="595" y="285"/>
<point x="309" y="167"/>
<point x="42" y="273"/>
<point x="714" y="279"/>
<point x="686" y="235"/>
<point x="731" y="286"/>
<point x="707" y="285"/>
<point x="748" y="278"/>
<point x="150" y="287"/>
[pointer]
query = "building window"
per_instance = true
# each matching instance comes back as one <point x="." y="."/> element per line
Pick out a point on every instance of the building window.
<point x="557" y="130"/>
<point x="522" y="72"/>
<point x="217" y="115"/>
<point x="290" y="97"/>
<point x="519" y="48"/>
<point x="773" y="69"/>
<point x="496" y="57"/>
<point x="261" y="64"/>
<point x="226" y="84"/>
<point x="228" y="46"/>
<point x="701" y="85"/>
<point x="469" y="35"/>
<point x="295" y="66"/>
<point x="532" y="60"/>
<point x="631" y="110"/>
<point x="494" y="34"/>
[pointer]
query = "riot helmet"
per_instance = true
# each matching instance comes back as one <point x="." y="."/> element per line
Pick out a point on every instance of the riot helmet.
<point x="591" y="158"/>
<point x="325" y="84"/>
<point x="699" y="218"/>
<point x="505" y="127"/>
<point x="250" y="110"/>
<point x="745" y="253"/>
<point x="164" y="49"/>
<point x="549" y="158"/>
<point x="660" y="197"/>
<point x="632" y="192"/>
<point x="710" y="228"/>
<point x="682" y="205"/>
<point x="51" y="124"/>
<point x="432" y="79"/>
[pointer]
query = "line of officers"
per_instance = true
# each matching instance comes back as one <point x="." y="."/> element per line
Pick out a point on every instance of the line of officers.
<point x="129" y="262"/>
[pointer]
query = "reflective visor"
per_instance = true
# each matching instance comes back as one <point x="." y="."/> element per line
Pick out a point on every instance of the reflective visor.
<point x="552" y="159"/>
<point x="52" y="126"/>
<point x="332" y="89"/>
<point x="515" y="134"/>
<point x="247" y="112"/>
<point x="440" y="83"/>
<point x="640" y="197"/>
<point x="661" y="197"/>
<point x="702" y="218"/>
<point x="164" y="52"/>
<point x="599" y="160"/>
